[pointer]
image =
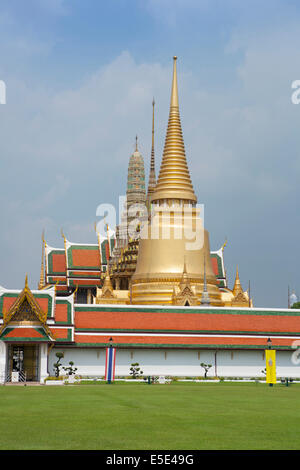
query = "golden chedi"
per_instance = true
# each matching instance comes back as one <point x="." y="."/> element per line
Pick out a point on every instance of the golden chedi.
<point x="174" y="242"/>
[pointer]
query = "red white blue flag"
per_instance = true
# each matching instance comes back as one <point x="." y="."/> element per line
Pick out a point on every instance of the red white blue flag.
<point x="110" y="364"/>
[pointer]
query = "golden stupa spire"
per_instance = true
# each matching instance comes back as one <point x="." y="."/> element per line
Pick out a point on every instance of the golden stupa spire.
<point x="99" y="244"/>
<point x="42" y="275"/>
<point x="152" y="179"/>
<point x="184" y="279"/>
<point x="136" y="143"/>
<point x="174" y="180"/>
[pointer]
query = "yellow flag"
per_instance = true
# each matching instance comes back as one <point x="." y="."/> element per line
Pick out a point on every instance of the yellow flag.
<point x="271" y="366"/>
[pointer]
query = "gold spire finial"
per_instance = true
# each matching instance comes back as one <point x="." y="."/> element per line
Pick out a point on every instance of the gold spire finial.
<point x="99" y="244"/>
<point x="152" y="178"/>
<point x="136" y="143"/>
<point x="42" y="275"/>
<point x="174" y="93"/>
<point x="153" y="104"/>
<point x="174" y="180"/>
<point x="26" y="281"/>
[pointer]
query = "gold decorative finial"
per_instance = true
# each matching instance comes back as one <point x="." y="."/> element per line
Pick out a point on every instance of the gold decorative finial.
<point x="26" y="281"/>
<point x="55" y="285"/>
<point x="136" y="143"/>
<point x="224" y="244"/>
<point x="65" y="240"/>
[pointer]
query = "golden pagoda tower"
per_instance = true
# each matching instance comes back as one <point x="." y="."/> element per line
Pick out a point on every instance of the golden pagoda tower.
<point x="166" y="248"/>
<point x="240" y="297"/>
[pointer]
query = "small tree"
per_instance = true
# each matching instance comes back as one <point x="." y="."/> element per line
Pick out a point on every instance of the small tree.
<point x="135" y="370"/>
<point x="58" y="364"/>
<point x="206" y="368"/>
<point x="296" y="305"/>
<point x="70" y="370"/>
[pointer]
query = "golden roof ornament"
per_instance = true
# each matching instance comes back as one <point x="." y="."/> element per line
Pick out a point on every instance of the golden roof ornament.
<point x="26" y="282"/>
<point x="237" y="288"/>
<point x="240" y="297"/>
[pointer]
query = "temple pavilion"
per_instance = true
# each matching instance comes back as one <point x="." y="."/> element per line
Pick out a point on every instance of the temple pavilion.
<point x="159" y="302"/>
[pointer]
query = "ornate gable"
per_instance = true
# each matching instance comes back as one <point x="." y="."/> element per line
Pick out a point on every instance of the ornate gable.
<point x="25" y="313"/>
<point x="25" y="309"/>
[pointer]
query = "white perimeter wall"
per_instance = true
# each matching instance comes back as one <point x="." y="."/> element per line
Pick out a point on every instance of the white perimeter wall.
<point x="91" y="362"/>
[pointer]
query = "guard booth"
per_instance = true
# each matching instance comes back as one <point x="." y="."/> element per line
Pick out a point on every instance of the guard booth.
<point x="24" y="339"/>
<point x="23" y="363"/>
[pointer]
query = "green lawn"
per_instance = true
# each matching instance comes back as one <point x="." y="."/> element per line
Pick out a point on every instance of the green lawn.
<point x="154" y="417"/>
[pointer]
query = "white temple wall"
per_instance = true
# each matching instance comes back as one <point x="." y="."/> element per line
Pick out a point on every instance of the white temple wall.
<point x="181" y="363"/>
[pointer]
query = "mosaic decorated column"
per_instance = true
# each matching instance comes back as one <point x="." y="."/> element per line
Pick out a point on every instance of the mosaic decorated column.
<point x="43" y="362"/>
<point x="2" y="361"/>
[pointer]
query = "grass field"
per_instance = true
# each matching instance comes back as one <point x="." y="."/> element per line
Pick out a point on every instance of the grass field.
<point x="155" y="417"/>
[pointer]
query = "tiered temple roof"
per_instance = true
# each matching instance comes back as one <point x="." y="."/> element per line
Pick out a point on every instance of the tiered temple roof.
<point x="76" y="264"/>
<point x="61" y="322"/>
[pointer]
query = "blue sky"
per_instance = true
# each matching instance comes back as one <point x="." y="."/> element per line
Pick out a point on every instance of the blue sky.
<point x="80" y="79"/>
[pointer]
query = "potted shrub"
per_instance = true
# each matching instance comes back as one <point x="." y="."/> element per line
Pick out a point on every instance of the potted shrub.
<point x="70" y="372"/>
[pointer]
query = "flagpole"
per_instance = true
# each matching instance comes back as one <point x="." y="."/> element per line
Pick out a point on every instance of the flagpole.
<point x="109" y="355"/>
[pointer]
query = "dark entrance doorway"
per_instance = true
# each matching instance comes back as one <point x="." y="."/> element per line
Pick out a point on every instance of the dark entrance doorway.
<point x="23" y="358"/>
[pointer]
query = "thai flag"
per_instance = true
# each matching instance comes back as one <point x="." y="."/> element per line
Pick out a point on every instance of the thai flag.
<point x="110" y="364"/>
